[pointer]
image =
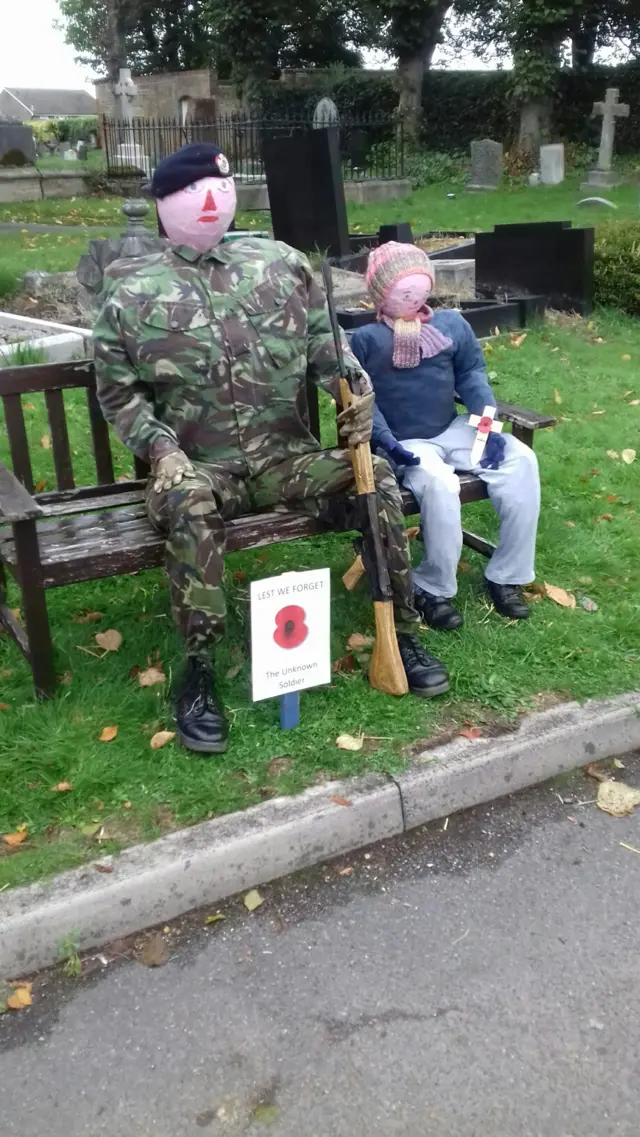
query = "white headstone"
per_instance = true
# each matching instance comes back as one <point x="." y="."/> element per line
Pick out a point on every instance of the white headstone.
<point x="486" y="165"/>
<point x="552" y="164"/>
<point x="70" y="156"/>
<point x="326" y="114"/>
<point x="130" y="154"/>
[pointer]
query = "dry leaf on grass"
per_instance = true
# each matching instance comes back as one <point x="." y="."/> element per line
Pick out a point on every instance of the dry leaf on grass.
<point x="62" y="787"/>
<point x="605" y="517"/>
<point x="470" y="732"/>
<point x="253" y="900"/>
<point x="626" y="357"/>
<point x="214" y="919"/>
<point x="161" y="738"/>
<point x="618" y="764"/>
<point x="598" y="412"/>
<point x="593" y="770"/>
<point x="109" y="640"/>
<point x="613" y="454"/>
<point x="347" y="663"/>
<point x="617" y="798"/>
<point x="4" y="707"/>
<point x="517" y="341"/>
<point x="234" y="671"/>
<point x="12" y="840"/>
<point x="570" y="524"/>
<point x="464" y="566"/>
<point x="349" y="741"/>
<point x="560" y="596"/>
<point x="155" y="952"/>
<point x="45" y="442"/>
<point x="152" y="676"/>
<point x="412" y="532"/>
<point x="108" y="734"/>
<point x="634" y="403"/>
<point x="628" y="456"/>
<point x="21" y="997"/>
<point x="40" y="486"/>
<point x="557" y="397"/>
<point x="337" y="799"/>
<point x="87" y="617"/>
<point x="358" y="642"/>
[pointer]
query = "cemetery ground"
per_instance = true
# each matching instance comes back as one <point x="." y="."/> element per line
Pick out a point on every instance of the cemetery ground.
<point x="68" y="795"/>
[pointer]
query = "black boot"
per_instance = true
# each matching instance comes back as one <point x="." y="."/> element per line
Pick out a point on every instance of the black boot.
<point x="437" y="611"/>
<point x="507" y="600"/>
<point x="426" y="675"/>
<point x="201" y="724"/>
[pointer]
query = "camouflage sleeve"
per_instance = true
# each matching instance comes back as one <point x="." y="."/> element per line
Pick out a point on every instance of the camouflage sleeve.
<point x="124" y="400"/>
<point x="322" y="364"/>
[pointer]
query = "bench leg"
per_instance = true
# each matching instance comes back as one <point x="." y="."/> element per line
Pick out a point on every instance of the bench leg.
<point x="524" y="434"/>
<point x="34" y="606"/>
<point x="472" y="541"/>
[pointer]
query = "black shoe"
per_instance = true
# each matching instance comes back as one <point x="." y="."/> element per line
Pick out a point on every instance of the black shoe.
<point x="201" y="724"/>
<point x="437" y="611"/>
<point x="507" y="600"/>
<point x="426" y="675"/>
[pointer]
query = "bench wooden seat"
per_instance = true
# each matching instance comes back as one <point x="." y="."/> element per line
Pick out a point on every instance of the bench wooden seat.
<point x="84" y="533"/>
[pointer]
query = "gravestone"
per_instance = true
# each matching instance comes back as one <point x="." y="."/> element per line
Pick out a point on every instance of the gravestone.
<point x="82" y="151"/>
<point x="326" y="114"/>
<point x="17" y="145"/>
<point x="610" y="109"/>
<point x="306" y="193"/>
<point x="70" y="156"/>
<point x="136" y="241"/>
<point x="486" y="165"/>
<point x="132" y="156"/>
<point x="552" y="164"/>
<point x="539" y="258"/>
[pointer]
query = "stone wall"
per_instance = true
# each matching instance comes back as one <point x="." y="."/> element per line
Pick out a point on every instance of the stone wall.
<point x="159" y="96"/>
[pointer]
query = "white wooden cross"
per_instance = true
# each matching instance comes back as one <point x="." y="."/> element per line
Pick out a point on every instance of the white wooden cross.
<point x="610" y="109"/>
<point x="486" y="424"/>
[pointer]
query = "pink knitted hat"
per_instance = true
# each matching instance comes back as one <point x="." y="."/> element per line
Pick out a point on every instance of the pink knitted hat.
<point x="389" y="263"/>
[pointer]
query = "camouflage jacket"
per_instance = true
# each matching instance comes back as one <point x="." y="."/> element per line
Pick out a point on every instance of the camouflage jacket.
<point x="210" y="353"/>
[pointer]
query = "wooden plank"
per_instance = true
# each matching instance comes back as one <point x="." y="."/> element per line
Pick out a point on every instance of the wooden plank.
<point x="88" y="493"/>
<point x="18" y="443"/>
<point x="509" y="412"/>
<point x="38" y="377"/>
<point x="60" y="440"/>
<point x="101" y="442"/>
<point x="34" y="607"/>
<point x="16" y="504"/>
<point x="107" y="501"/>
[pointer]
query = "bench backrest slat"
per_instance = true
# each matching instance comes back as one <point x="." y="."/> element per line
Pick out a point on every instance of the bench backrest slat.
<point x="18" y="442"/>
<point x="60" y="440"/>
<point x="101" y="441"/>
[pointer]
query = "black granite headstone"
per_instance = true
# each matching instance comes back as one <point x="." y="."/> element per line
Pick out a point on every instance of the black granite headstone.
<point x="17" y="145"/>
<point x="306" y="193"/>
<point x="400" y="231"/>
<point x="538" y="258"/>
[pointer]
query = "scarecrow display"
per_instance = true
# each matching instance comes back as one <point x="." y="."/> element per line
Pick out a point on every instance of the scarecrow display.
<point x="418" y="361"/>
<point x="202" y="355"/>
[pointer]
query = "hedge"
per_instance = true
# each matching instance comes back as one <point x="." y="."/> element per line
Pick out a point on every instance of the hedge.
<point x="617" y="266"/>
<point x="459" y="106"/>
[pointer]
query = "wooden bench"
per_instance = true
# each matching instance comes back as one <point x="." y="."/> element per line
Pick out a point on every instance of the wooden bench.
<point x="82" y="533"/>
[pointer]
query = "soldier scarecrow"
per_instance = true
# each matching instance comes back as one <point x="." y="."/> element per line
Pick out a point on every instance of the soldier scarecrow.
<point x="202" y="354"/>
<point x="418" y="361"/>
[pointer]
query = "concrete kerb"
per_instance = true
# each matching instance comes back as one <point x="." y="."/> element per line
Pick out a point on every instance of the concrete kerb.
<point x="202" y="865"/>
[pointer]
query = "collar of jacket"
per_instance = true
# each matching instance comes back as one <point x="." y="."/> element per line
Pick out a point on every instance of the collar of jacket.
<point x="192" y="255"/>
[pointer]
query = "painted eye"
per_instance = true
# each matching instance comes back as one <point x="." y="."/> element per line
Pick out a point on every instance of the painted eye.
<point x="193" y="188"/>
<point x="224" y="186"/>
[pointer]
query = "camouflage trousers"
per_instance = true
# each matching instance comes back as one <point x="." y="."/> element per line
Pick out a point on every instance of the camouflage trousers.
<point x="192" y="515"/>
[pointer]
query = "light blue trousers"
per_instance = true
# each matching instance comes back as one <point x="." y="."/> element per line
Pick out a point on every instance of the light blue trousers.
<point x="514" y="490"/>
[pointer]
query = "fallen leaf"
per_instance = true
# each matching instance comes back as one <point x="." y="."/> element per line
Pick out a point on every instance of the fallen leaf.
<point x="253" y="900"/>
<point x="45" y="442"/>
<point x="108" y="734"/>
<point x="62" y="787"/>
<point x="560" y="596"/>
<point x="588" y="604"/>
<point x="470" y="732"/>
<point x="40" y="486"/>
<point x="617" y="798"/>
<point x="347" y="663"/>
<point x="240" y="575"/>
<point x="412" y="532"/>
<point x="598" y="412"/>
<point x="91" y="830"/>
<point x="21" y="998"/>
<point x="349" y="741"/>
<point x="605" y="517"/>
<point x="594" y="473"/>
<point x="338" y="800"/>
<point x="28" y="407"/>
<point x="155" y="952"/>
<point x="598" y="339"/>
<point x="528" y="595"/>
<point x="277" y="766"/>
<point x="613" y="454"/>
<point x="6" y="673"/>
<point x="100" y="867"/>
<point x="570" y="524"/>
<point x="357" y="641"/>
<point x="492" y="375"/>
<point x="626" y="357"/>
<point x="464" y="566"/>
<point x="87" y="617"/>
<point x="612" y="498"/>
<point x="15" y="839"/>
<point x="109" y="640"/>
<point x="634" y="403"/>
<point x="152" y="676"/>
<point x="618" y="764"/>
<point x="160" y="739"/>
<point x="214" y="919"/>
<point x="593" y="770"/>
<point x="345" y="872"/>
<point x="134" y="671"/>
<point x="628" y="456"/>
<point x="126" y="805"/>
<point x="4" y="707"/>
<point x="517" y="341"/>
<point x="234" y="671"/>
<point x="585" y="579"/>
<point x="557" y="397"/>
<point x="266" y="1114"/>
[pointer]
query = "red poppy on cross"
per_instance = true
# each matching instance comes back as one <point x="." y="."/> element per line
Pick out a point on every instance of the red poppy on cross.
<point x="485" y="424"/>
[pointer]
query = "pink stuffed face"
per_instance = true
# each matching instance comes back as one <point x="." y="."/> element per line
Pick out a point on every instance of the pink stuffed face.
<point x="407" y="296"/>
<point x="200" y="214"/>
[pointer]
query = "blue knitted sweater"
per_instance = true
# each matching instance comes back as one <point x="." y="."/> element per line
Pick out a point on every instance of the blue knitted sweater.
<point x="418" y="402"/>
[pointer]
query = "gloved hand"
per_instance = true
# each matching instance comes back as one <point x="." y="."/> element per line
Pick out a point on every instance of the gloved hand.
<point x="356" y="422"/>
<point x="170" y="470"/>
<point x="493" y="452"/>
<point x="401" y="456"/>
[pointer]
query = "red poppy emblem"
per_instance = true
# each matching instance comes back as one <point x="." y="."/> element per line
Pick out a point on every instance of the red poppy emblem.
<point x="291" y="629"/>
<point x="485" y="424"/>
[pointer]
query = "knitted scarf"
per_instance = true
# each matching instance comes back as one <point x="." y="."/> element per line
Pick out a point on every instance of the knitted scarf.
<point x="414" y="339"/>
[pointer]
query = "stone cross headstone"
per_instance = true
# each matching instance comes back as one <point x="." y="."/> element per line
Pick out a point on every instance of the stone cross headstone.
<point x="552" y="164"/>
<point x="486" y="165"/>
<point x="610" y="109"/>
<point x="326" y="114"/>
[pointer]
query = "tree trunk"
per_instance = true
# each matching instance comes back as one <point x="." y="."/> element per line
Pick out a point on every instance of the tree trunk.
<point x="116" y="39"/>
<point x="535" y="121"/>
<point x="413" y="64"/>
<point x="583" y="48"/>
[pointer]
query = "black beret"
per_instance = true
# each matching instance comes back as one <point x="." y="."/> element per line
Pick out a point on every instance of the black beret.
<point x="194" y="161"/>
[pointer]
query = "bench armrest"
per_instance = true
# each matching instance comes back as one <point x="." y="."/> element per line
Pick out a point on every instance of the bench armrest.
<point x="519" y="416"/>
<point x="16" y="503"/>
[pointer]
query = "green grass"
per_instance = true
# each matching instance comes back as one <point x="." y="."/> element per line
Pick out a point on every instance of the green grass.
<point x="48" y="252"/>
<point x="495" y="669"/>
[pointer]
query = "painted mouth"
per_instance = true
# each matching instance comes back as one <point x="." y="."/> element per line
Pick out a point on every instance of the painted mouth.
<point x="209" y="217"/>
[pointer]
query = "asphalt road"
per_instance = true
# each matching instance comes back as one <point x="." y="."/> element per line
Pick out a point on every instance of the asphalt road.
<point x="481" y="980"/>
